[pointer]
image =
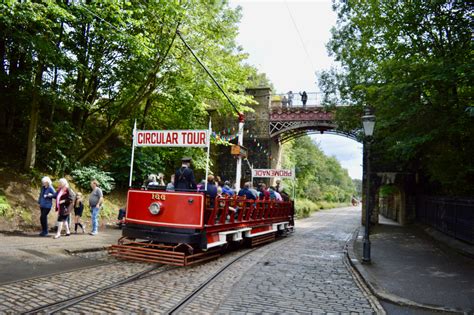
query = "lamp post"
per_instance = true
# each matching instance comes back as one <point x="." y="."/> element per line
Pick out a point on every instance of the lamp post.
<point x="368" y="121"/>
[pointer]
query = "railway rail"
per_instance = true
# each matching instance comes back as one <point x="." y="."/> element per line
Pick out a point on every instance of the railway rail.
<point x="155" y="270"/>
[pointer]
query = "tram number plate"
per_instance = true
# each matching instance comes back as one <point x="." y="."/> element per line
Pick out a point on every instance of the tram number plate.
<point x="158" y="197"/>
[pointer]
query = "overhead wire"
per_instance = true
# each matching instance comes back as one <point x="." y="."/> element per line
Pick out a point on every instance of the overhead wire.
<point x="185" y="44"/>
<point x="299" y="36"/>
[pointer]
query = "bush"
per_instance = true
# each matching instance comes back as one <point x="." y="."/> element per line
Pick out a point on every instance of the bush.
<point x="304" y="208"/>
<point x="84" y="175"/>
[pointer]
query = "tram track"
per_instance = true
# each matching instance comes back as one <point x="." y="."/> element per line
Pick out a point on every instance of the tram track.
<point x="55" y="307"/>
<point x="155" y="270"/>
<point x="190" y="297"/>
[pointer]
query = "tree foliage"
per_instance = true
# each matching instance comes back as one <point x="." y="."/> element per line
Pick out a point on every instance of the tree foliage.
<point x="319" y="177"/>
<point x="75" y="75"/>
<point x="412" y="62"/>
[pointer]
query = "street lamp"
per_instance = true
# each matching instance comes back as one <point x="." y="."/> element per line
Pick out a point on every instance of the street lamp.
<point x="368" y="121"/>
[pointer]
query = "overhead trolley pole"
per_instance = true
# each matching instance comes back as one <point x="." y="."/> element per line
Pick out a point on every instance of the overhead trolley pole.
<point x="238" y="173"/>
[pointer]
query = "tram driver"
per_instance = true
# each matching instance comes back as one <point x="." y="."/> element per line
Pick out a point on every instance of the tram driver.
<point x="184" y="177"/>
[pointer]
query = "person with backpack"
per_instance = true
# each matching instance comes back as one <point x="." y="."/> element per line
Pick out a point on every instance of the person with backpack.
<point x="184" y="177"/>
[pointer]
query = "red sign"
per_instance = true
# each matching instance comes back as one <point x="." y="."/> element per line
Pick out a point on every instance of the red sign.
<point x="171" y="138"/>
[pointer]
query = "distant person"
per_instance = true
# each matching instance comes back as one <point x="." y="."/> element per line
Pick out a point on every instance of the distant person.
<point x="212" y="190"/>
<point x="227" y="190"/>
<point x="184" y="176"/>
<point x="276" y="193"/>
<point x="161" y="179"/>
<point x="273" y="194"/>
<point x="246" y="192"/>
<point x="253" y="191"/>
<point x="45" y="201"/>
<point x="201" y="185"/>
<point x="170" y="186"/>
<point x="284" y="101"/>
<point x="278" y="186"/>
<point x="264" y="193"/>
<point x="290" y="98"/>
<point x="304" y="98"/>
<point x="284" y="196"/>
<point x="64" y="204"/>
<point x="78" y="209"/>
<point x="152" y="181"/>
<point x="96" y="199"/>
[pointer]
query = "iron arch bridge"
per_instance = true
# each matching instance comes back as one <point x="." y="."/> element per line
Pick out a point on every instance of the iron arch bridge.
<point x="293" y="122"/>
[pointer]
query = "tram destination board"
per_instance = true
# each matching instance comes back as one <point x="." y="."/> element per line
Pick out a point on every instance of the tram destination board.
<point x="172" y="138"/>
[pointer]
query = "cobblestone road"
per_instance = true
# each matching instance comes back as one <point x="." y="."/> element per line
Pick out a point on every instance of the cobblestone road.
<point x="303" y="273"/>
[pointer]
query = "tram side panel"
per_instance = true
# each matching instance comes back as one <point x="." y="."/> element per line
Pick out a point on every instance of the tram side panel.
<point x="166" y="217"/>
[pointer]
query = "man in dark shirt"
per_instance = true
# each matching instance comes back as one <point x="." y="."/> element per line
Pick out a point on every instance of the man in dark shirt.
<point x="247" y="192"/>
<point x="184" y="176"/>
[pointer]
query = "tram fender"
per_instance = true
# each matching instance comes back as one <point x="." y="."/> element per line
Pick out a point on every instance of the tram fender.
<point x="171" y="236"/>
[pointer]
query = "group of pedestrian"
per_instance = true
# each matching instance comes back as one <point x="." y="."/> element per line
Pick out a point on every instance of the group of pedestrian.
<point x="66" y="202"/>
<point x="287" y="101"/>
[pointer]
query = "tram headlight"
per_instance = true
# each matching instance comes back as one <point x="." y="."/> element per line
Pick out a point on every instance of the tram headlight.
<point x="154" y="208"/>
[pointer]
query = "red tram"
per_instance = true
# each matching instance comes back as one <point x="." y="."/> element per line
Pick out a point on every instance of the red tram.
<point x="186" y="227"/>
<point x="181" y="228"/>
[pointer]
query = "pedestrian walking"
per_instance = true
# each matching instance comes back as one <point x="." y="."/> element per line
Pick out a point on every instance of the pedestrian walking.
<point x="64" y="204"/>
<point x="45" y="201"/>
<point x="78" y="209"/>
<point x="290" y="99"/>
<point x="96" y="199"/>
<point x="304" y="98"/>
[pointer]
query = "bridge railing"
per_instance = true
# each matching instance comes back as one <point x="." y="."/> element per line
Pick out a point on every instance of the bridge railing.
<point x="283" y="100"/>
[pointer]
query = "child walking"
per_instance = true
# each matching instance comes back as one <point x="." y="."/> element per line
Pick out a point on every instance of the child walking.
<point x="78" y="209"/>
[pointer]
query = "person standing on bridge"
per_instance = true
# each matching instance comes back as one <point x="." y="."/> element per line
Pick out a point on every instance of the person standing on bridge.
<point x="290" y="98"/>
<point x="184" y="176"/>
<point x="304" y="98"/>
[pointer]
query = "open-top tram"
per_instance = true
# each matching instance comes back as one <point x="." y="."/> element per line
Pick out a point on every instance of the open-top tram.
<point x="181" y="228"/>
<point x="185" y="227"/>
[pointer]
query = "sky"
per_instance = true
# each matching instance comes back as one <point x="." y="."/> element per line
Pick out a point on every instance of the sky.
<point x="287" y="41"/>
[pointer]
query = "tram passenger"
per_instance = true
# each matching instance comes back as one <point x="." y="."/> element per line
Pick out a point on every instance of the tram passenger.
<point x="184" y="176"/>
<point x="152" y="181"/>
<point x="285" y="196"/>
<point x="227" y="190"/>
<point x="264" y="193"/>
<point x="245" y="191"/>
<point x="274" y="192"/>
<point x="211" y="190"/>
<point x="254" y="191"/>
<point x="170" y="186"/>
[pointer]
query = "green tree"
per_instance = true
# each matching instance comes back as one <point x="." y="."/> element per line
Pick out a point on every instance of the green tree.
<point x="77" y="74"/>
<point x="319" y="177"/>
<point x="412" y="62"/>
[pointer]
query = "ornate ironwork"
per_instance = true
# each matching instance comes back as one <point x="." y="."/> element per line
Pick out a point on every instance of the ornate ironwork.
<point x="291" y="123"/>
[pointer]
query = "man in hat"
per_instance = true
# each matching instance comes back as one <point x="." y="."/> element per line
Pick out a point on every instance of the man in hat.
<point x="184" y="176"/>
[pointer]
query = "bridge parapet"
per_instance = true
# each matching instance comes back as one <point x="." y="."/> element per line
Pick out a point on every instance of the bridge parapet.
<point x="301" y="114"/>
<point x="283" y="100"/>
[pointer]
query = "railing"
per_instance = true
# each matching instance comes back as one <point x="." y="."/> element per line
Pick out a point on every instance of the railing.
<point x="452" y="216"/>
<point x="234" y="210"/>
<point x="314" y="99"/>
